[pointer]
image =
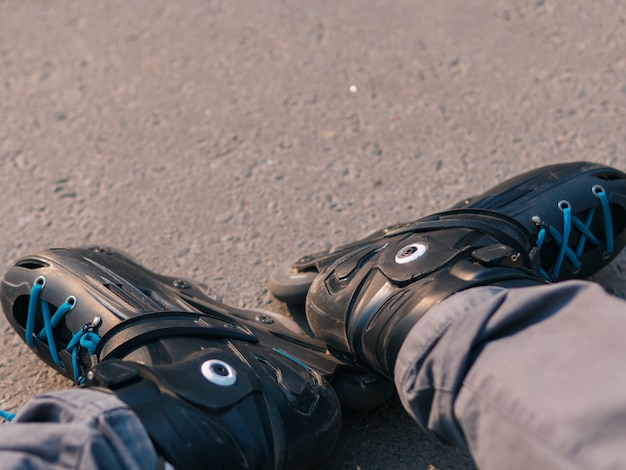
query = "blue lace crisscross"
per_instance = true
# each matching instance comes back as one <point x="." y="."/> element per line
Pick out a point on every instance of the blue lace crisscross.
<point x="84" y="338"/>
<point x="569" y="220"/>
<point x="6" y="415"/>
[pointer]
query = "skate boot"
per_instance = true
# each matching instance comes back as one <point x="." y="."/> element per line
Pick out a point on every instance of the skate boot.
<point x="214" y="386"/>
<point x="554" y="223"/>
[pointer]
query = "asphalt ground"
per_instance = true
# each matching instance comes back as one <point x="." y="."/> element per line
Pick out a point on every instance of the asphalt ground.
<point x="214" y="139"/>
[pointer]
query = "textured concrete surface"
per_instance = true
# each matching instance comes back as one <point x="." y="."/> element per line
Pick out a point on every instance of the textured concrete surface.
<point x="213" y="139"/>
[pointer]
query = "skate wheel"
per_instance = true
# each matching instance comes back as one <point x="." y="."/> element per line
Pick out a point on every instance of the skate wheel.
<point x="290" y="286"/>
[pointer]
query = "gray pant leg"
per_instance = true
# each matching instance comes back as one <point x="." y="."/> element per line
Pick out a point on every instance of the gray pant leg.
<point x="522" y="378"/>
<point x="76" y="429"/>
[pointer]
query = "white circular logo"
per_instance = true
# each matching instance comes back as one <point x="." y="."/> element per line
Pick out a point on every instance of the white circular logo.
<point x="410" y="253"/>
<point x="218" y="372"/>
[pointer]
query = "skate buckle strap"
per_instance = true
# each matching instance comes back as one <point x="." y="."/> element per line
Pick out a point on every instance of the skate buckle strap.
<point x="83" y="338"/>
<point x="584" y="227"/>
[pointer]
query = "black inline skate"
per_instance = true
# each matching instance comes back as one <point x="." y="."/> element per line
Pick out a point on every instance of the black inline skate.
<point x="554" y="223"/>
<point x="215" y="386"/>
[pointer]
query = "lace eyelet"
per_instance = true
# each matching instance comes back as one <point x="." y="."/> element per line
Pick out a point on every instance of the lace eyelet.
<point x="72" y="301"/>
<point x="563" y="205"/>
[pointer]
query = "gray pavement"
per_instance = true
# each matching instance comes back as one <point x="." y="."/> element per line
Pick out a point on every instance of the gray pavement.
<point x="213" y="139"/>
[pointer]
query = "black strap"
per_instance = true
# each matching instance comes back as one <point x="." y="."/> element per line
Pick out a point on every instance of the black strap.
<point x="503" y="228"/>
<point x="137" y="331"/>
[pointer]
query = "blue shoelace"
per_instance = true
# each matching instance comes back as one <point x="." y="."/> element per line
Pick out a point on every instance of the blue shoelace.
<point x="84" y="338"/>
<point x="569" y="220"/>
<point x="6" y="415"/>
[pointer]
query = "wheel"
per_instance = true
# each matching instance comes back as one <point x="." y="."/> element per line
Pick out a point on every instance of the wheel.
<point x="290" y="286"/>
